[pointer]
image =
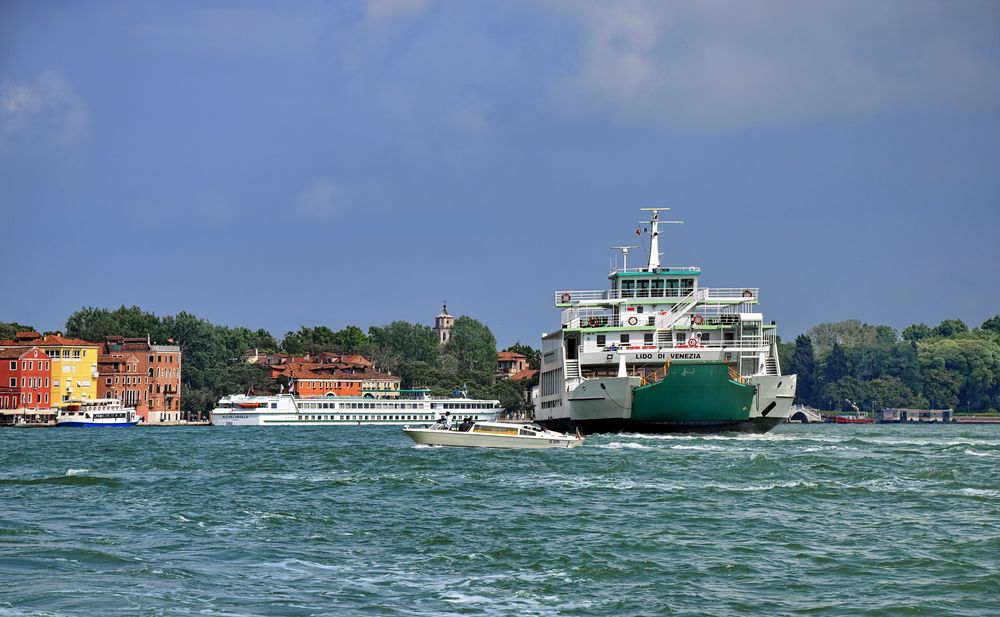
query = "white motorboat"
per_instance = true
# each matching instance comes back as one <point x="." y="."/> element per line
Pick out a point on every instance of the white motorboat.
<point x="493" y="435"/>
<point x="96" y="412"/>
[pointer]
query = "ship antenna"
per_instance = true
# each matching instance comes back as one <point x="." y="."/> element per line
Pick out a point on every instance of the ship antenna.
<point x="654" y="235"/>
<point x="624" y="250"/>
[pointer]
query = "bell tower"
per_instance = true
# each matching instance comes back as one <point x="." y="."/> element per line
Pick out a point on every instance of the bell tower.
<point x="443" y="324"/>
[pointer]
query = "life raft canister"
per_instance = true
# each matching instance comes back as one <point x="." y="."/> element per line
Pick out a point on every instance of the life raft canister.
<point x="633" y="320"/>
<point x="693" y="342"/>
<point x="747" y="293"/>
<point x="565" y="297"/>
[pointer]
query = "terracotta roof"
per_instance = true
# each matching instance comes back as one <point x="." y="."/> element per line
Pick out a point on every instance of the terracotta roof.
<point x="527" y="373"/>
<point x="52" y="340"/>
<point x="510" y="355"/>
<point x="15" y="352"/>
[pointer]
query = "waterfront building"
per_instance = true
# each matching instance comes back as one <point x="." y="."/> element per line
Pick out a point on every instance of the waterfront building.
<point x="25" y="378"/>
<point x="73" y="364"/>
<point x="142" y="375"/>
<point x="509" y="363"/>
<point x="306" y="382"/>
<point x="917" y="415"/>
<point x="443" y="324"/>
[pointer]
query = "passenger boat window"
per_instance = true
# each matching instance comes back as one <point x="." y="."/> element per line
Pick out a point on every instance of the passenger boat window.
<point x="624" y="338"/>
<point x="647" y="338"/>
<point x="628" y="289"/>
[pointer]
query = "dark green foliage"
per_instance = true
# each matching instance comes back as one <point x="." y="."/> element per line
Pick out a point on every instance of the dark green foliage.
<point x="9" y="329"/>
<point x="804" y="365"/>
<point x="93" y="324"/>
<point x="992" y="324"/>
<point x="350" y="340"/>
<point x="917" y="332"/>
<point x="943" y="367"/>
<point x="533" y="355"/>
<point x="473" y="346"/>
<point x="951" y="327"/>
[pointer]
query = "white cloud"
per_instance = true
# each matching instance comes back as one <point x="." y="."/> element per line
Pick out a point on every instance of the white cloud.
<point x="721" y="64"/>
<point x="322" y="202"/>
<point x="44" y="113"/>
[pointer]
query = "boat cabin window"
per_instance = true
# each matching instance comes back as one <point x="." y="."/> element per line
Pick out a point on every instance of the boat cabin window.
<point x="624" y="338"/>
<point x="601" y="340"/>
<point x="628" y="289"/>
<point x="528" y="432"/>
<point x="643" y="288"/>
<point x="657" y="288"/>
<point x="647" y="338"/>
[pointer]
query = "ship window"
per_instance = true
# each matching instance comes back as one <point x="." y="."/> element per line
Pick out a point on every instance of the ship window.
<point x="274" y="405"/>
<point x="628" y="289"/>
<point x="624" y="338"/>
<point x="643" y="289"/>
<point x="648" y="338"/>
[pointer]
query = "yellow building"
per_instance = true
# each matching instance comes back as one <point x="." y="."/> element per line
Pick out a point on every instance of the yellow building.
<point x="74" y="364"/>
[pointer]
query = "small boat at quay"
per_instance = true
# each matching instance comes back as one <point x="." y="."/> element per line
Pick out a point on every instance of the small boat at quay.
<point x="96" y="412"/>
<point x="493" y="435"/>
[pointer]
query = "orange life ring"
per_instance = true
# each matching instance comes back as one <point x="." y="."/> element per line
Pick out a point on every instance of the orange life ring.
<point x="697" y="320"/>
<point x="633" y="320"/>
<point x="747" y="293"/>
<point x="693" y="342"/>
<point x="565" y="297"/>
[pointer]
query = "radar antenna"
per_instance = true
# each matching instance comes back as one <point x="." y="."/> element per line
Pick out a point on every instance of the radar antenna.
<point x="624" y="250"/>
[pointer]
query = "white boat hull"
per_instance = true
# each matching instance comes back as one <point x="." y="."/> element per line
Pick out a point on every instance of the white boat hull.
<point x="439" y="437"/>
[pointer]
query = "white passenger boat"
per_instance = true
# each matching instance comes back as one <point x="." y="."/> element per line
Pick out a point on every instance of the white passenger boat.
<point x="96" y="412"/>
<point x="493" y="435"/>
<point x="288" y="410"/>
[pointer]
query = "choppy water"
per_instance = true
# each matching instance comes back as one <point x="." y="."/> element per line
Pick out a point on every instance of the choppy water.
<point x="824" y="520"/>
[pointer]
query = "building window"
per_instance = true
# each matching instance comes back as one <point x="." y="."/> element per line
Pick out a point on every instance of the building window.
<point x="76" y="353"/>
<point x="13" y="382"/>
<point x="65" y="353"/>
<point x="13" y="365"/>
<point x="24" y="364"/>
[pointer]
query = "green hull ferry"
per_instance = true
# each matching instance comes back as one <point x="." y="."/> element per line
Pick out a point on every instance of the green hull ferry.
<point x="659" y="352"/>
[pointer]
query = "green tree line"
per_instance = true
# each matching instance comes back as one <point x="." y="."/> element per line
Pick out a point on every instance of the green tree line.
<point x="213" y="355"/>
<point x="949" y="366"/>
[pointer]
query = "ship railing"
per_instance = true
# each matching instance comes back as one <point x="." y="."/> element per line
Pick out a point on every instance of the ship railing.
<point x="672" y="269"/>
<point x="706" y="294"/>
<point x="747" y="342"/>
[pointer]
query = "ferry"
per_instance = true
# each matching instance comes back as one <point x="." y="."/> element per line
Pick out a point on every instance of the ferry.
<point x="416" y="405"/>
<point x="96" y="412"/>
<point x="493" y="435"/>
<point x="658" y="352"/>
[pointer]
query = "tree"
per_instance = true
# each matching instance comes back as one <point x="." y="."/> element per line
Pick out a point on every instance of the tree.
<point x="350" y="340"/>
<point x="951" y="327"/>
<point x="93" y="324"/>
<point x="474" y="346"/>
<point x="9" y="328"/>
<point x="394" y="346"/>
<point x="533" y="355"/>
<point x="917" y="332"/>
<point x="836" y="366"/>
<point x="992" y="324"/>
<point x="804" y="366"/>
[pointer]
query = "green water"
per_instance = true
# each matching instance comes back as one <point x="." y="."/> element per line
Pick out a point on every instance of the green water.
<point x="806" y="520"/>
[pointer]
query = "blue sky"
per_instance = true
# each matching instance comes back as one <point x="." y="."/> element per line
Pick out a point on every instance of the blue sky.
<point x="281" y="164"/>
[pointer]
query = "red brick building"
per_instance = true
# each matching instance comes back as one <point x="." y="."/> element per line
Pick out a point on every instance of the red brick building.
<point x="25" y="378"/>
<point x="142" y="375"/>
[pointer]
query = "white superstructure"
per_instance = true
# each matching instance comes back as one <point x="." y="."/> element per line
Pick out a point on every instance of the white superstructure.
<point x="96" y="412"/>
<point x="289" y="410"/>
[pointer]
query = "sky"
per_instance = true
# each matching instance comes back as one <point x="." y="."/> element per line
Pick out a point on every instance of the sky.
<point x="280" y="164"/>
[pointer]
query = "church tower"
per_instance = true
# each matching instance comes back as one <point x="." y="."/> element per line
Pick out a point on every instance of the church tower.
<point x="443" y="324"/>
